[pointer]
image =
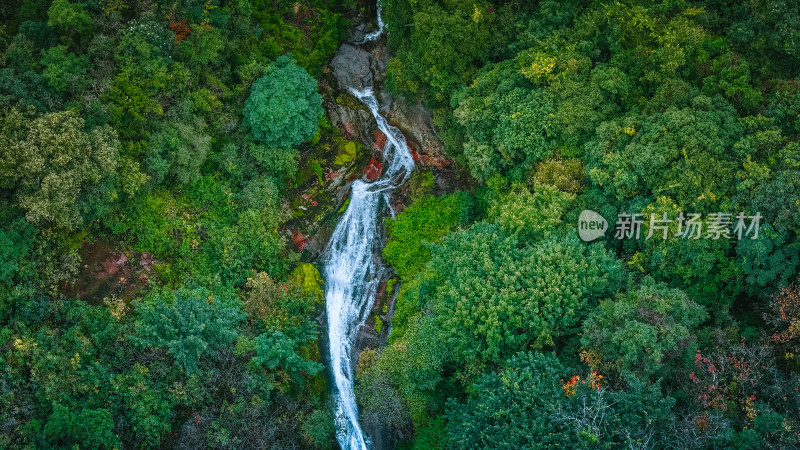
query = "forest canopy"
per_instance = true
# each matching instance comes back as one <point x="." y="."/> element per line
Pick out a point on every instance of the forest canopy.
<point x="170" y="172"/>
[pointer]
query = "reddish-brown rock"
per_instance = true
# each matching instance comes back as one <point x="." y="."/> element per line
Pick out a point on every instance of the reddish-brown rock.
<point x="299" y="240"/>
<point x="380" y="140"/>
<point x="373" y="169"/>
<point x="349" y="130"/>
<point x="412" y="148"/>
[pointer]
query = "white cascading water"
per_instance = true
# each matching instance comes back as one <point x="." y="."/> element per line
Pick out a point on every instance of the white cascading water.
<point x="351" y="272"/>
<point x="377" y="33"/>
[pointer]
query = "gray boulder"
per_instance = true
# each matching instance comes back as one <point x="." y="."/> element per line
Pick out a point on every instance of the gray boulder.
<point x="351" y="67"/>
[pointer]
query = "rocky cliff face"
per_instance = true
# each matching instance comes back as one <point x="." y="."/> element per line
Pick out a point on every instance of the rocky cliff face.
<point x="357" y="151"/>
<point x="356" y="68"/>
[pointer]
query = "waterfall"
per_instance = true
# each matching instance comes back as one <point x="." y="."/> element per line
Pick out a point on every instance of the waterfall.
<point x="377" y="33"/>
<point x="351" y="271"/>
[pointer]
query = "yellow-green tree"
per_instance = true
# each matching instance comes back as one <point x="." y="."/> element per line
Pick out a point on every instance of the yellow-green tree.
<point x="54" y="165"/>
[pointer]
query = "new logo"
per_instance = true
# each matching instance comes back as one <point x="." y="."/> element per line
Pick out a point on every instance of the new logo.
<point x="591" y="225"/>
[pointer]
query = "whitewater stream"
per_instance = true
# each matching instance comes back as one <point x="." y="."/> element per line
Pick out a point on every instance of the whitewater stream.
<point x="351" y="271"/>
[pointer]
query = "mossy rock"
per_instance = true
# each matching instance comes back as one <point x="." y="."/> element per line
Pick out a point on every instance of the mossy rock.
<point x="304" y="175"/>
<point x="316" y="168"/>
<point x="310" y="279"/>
<point x="349" y="101"/>
<point x="318" y="386"/>
<point x="295" y="205"/>
<point x="421" y="183"/>
<point x="346" y="154"/>
<point x="344" y="206"/>
<point x="390" y="286"/>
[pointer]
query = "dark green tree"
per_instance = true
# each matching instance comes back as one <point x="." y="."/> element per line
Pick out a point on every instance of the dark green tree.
<point x="284" y="106"/>
<point x="646" y="333"/>
<point x="189" y="323"/>
<point x="506" y="123"/>
<point x="64" y="70"/>
<point x="277" y="351"/>
<point x="681" y="152"/>
<point x="177" y="152"/>
<point x="92" y="428"/>
<point x="512" y="409"/>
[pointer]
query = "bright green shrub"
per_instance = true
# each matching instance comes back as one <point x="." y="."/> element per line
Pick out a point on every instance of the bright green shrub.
<point x="496" y="297"/>
<point x="426" y="221"/>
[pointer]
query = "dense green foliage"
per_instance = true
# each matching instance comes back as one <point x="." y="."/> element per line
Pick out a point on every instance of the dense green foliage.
<point x="496" y="297"/>
<point x="192" y="325"/>
<point x="157" y="160"/>
<point x="638" y="333"/>
<point x="506" y="127"/>
<point x="512" y="408"/>
<point x="138" y="171"/>
<point x="623" y="107"/>
<point x="58" y="172"/>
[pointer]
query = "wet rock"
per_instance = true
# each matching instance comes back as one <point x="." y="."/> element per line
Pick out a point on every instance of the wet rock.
<point x="412" y="148"/>
<point x="378" y="63"/>
<point x="344" y="192"/>
<point x="354" y="123"/>
<point x="373" y="170"/>
<point x="316" y="243"/>
<point x="366" y="337"/>
<point x="416" y="123"/>
<point x="334" y="180"/>
<point x="380" y="140"/>
<point x="357" y="34"/>
<point x="348" y="128"/>
<point x="381" y="438"/>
